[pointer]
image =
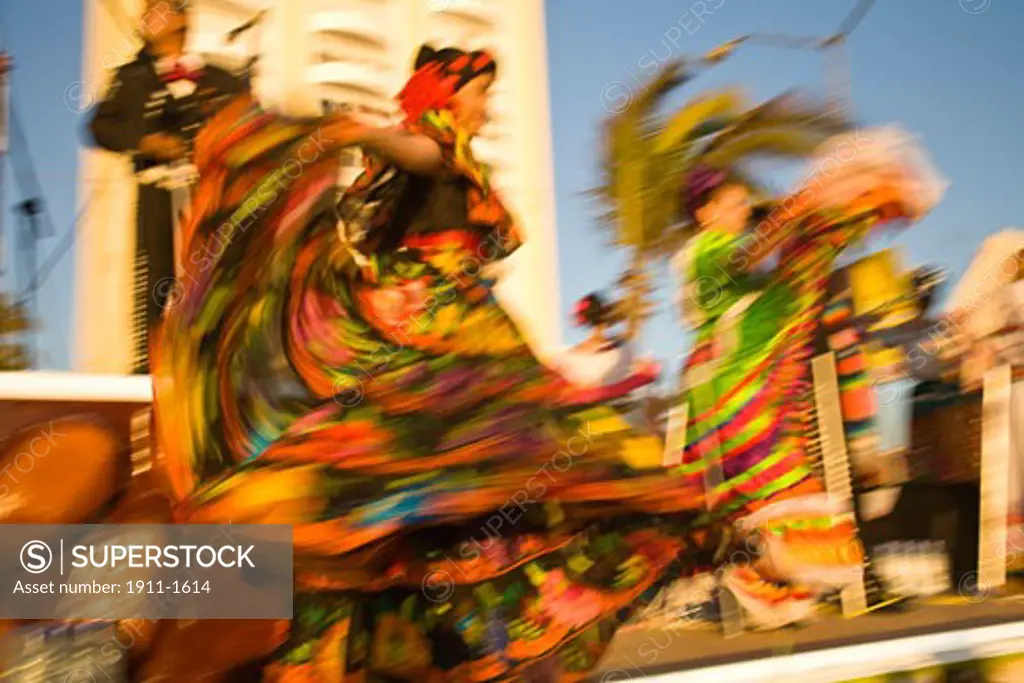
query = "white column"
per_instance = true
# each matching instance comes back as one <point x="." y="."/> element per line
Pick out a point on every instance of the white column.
<point x="407" y="17"/>
<point x="532" y="292"/>
<point x="105" y="245"/>
<point x="282" y="83"/>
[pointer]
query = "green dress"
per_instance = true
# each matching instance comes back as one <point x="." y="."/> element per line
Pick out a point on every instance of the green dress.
<point x="747" y="388"/>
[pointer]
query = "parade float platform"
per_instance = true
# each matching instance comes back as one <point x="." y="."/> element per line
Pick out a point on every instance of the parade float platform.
<point x="74" y="387"/>
<point x="32" y="398"/>
<point x="831" y="650"/>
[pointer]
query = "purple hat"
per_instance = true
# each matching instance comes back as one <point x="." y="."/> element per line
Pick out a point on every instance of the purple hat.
<point x="702" y="181"/>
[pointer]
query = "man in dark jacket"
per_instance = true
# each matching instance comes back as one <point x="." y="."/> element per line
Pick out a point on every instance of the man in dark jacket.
<point x="152" y="111"/>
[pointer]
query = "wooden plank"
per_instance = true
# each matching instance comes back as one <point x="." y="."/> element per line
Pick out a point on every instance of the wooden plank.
<point x="141" y="442"/>
<point x="731" y="612"/>
<point x="52" y="387"/>
<point x="832" y="649"/>
<point x="996" y="447"/>
<point x="675" y="438"/>
<point x="835" y="458"/>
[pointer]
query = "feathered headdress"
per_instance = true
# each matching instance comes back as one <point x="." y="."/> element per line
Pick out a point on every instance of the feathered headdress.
<point x="657" y="167"/>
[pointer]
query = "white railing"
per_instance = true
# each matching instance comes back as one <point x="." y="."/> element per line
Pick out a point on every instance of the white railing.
<point x="75" y="386"/>
<point x="854" y="662"/>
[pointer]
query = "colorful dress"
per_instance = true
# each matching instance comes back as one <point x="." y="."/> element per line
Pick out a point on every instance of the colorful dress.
<point x="747" y="385"/>
<point x="460" y="510"/>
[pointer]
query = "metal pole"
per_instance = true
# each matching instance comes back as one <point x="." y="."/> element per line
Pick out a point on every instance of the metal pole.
<point x="33" y="306"/>
<point x="3" y="193"/>
<point x="30" y="209"/>
<point x="4" y="145"/>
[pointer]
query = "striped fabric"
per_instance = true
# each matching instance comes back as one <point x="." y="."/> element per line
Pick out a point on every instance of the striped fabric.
<point x="858" y="406"/>
<point x="143" y="287"/>
<point x="747" y="375"/>
<point x="140" y="319"/>
<point x="747" y="383"/>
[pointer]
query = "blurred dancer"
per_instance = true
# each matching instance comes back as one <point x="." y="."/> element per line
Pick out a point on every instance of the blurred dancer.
<point x="347" y="369"/>
<point x="990" y="324"/>
<point x="748" y="376"/>
<point x="603" y="357"/>
<point x="607" y="356"/>
<point x="153" y="108"/>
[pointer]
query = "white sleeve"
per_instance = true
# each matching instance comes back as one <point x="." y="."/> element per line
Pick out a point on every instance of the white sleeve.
<point x="594" y="369"/>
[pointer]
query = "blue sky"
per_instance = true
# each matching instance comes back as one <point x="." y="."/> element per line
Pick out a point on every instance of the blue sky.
<point x="949" y="75"/>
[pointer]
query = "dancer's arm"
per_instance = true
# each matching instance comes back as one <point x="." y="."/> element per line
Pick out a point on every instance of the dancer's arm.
<point x="881" y="198"/>
<point x="746" y="253"/>
<point x="414" y="152"/>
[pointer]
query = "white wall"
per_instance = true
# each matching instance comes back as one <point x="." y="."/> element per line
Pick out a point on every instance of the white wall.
<point x="105" y="245"/>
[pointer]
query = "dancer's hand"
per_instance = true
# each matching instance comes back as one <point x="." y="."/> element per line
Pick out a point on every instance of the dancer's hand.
<point x="6" y="63"/>
<point x="646" y="367"/>
<point x="162" y="146"/>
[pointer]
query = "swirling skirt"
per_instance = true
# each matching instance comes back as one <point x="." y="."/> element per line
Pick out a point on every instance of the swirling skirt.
<point x="459" y="510"/>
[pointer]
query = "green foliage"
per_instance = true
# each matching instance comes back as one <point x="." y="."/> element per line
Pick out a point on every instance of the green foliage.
<point x="648" y="157"/>
<point x="14" y="321"/>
